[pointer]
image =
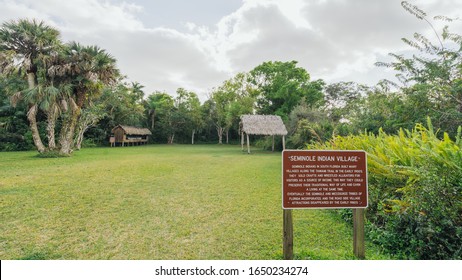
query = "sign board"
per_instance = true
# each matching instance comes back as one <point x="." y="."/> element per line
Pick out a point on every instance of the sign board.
<point x="324" y="179"/>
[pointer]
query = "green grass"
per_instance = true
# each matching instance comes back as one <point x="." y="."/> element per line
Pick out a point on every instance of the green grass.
<point x="157" y="202"/>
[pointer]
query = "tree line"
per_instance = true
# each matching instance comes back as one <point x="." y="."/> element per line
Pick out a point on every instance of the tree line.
<point x="58" y="96"/>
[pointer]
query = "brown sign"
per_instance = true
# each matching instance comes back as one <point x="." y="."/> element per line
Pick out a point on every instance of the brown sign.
<point x="324" y="179"/>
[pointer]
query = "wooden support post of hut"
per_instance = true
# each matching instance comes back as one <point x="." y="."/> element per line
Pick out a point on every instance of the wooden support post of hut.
<point x="262" y="125"/>
<point x="124" y="134"/>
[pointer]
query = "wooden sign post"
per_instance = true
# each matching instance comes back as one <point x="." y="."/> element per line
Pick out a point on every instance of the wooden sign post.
<point x="288" y="235"/>
<point x="359" y="249"/>
<point x="324" y="180"/>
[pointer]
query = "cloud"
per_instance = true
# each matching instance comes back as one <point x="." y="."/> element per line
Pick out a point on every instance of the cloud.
<point x="166" y="58"/>
<point x="14" y="10"/>
<point x="365" y="31"/>
<point x="276" y="38"/>
<point x="333" y="39"/>
<point x="159" y="58"/>
<point x="328" y="38"/>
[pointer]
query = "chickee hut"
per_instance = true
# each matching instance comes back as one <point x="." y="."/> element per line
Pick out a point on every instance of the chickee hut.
<point x="129" y="135"/>
<point x="262" y="125"/>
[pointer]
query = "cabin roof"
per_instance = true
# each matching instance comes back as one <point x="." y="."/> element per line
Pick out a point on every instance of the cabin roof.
<point x="131" y="130"/>
<point x="262" y="125"/>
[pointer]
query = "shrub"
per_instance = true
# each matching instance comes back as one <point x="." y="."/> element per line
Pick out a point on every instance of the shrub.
<point x="415" y="191"/>
<point x="15" y="141"/>
<point x="52" y="154"/>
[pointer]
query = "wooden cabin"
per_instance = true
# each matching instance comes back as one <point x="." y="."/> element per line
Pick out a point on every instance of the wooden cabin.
<point x="129" y="135"/>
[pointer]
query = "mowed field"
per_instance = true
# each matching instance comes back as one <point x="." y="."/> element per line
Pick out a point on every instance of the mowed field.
<point x="157" y="202"/>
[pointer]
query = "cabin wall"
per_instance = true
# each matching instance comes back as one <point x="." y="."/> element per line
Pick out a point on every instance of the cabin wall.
<point x="122" y="139"/>
<point x="119" y="135"/>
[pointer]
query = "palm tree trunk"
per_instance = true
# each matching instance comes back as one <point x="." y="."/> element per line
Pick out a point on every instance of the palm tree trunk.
<point x="81" y="128"/>
<point x="32" y="117"/>
<point x="66" y="140"/>
<point x="153" y="116"/>
<point x="52" y="115"/>
<point x="31" y="80"/>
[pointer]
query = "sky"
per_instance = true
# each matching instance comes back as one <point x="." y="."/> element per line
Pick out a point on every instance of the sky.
<point x="198" y="44"/>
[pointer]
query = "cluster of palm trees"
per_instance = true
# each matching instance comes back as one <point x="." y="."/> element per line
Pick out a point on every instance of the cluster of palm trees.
<point x="62" y="79"/>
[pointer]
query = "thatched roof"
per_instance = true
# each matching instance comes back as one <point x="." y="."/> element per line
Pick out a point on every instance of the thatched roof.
<point x="131" y="130"/>
<point x="262" y="125"/>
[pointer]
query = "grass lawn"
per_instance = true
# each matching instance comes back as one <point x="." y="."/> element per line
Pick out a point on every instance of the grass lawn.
<point x="157" y="202"/>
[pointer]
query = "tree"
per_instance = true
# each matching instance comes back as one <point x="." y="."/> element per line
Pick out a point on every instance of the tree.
<point x="434" y="69"/>
<point x="220" y="103"/>
<point x="119" y="105"/>
<point x="208" y="116"/>
<point x="381" y="111"/>
<point x="86" y="69"/>
<point x="342" y="100"/>
<point x="235" y="97"/>
<point x="307" y="125"/>
<point x="25" y="45"/>
<point x="137" y="91"/>
<point x="189" y="108"/>
<point x="281" y="86"/>
<point x="89" y="117"/>
<point x="163" y="112"/>
<point x="155" y="104"/>
<point x="243" y="103"/>
<point x="14" y="129"/>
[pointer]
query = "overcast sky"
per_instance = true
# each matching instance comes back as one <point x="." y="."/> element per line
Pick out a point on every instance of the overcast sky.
<point x="197" y="44"/>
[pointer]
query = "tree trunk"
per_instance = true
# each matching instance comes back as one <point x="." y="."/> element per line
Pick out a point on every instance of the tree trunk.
<point x="192" y="137"/>
<point x="32" y="117"/>
<point x="86" y="120"/>
<point x="248" y="144"/>
<point x="153" y="116"/>
<point x="227" y="136"/>
<point x="170" y="138"/>
<point x="459" y="101"/>
<point x="31" y="80"/>
<point x="220" y="134"/>
<point x="81" y="128"/>
<point x="272" y="146"/>
<point x="79" y="139"/>
<point x="66" y="139"/>
<point x="52" y="115"/>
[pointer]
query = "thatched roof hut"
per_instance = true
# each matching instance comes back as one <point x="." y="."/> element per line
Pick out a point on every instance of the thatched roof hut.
<point x="261" y="125"/>
<point x="124" y="134"/>
<point x="132" y="130"/>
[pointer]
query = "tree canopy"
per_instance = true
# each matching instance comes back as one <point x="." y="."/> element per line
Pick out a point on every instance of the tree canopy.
<point x="281" y="86"/>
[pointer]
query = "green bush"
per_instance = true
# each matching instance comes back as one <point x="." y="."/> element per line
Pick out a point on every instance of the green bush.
<point x="266" y="142"/>
<point x="89" y="143"/>
<point x="52" y="154"/>
<point x="15" y="141"/>
<point x="415" y="191"/>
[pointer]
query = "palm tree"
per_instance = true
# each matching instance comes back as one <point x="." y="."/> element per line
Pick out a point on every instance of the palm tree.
<point x="26" y="44"/>
<point x="87" y="69"/>
<point x="155" y="102"/>
<point x="137" y="91"/>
